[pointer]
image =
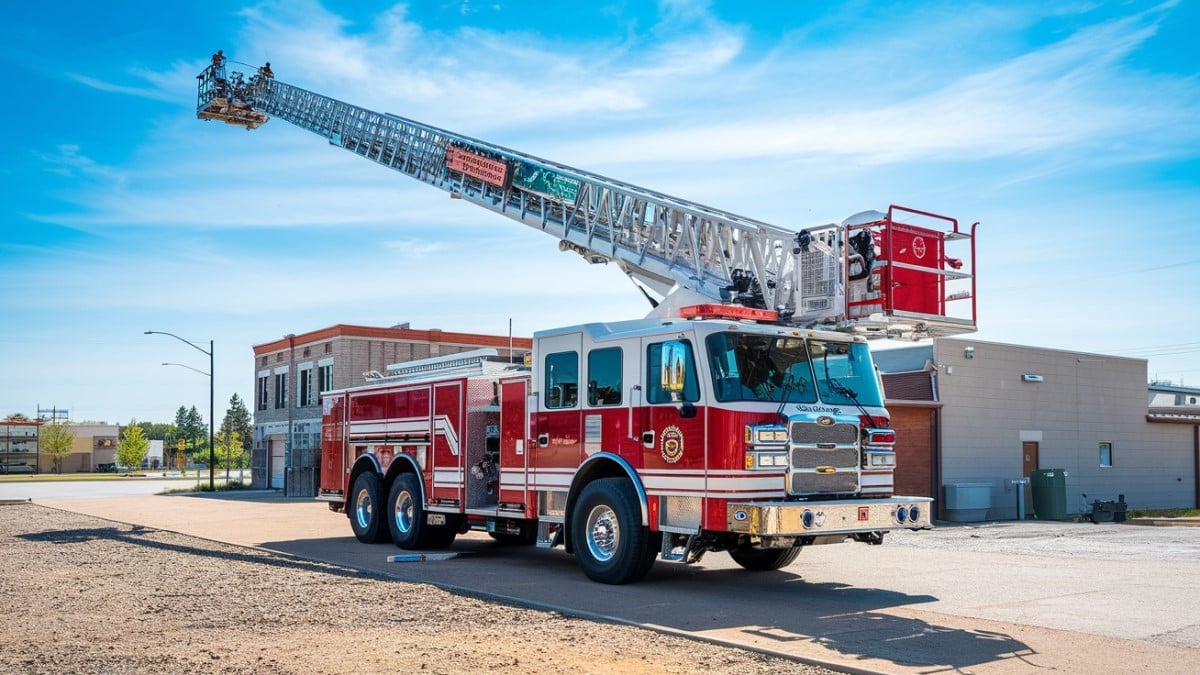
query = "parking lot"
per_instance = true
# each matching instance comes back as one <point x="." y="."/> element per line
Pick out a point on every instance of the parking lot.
<point x="999" y="597"/>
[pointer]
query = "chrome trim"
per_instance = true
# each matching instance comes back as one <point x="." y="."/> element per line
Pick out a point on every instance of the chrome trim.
<point x="629" y="470"/>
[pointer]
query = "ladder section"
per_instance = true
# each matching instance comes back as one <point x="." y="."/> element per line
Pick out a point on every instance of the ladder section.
<point x="811" y="276"/>
<point x="661" y="241"/>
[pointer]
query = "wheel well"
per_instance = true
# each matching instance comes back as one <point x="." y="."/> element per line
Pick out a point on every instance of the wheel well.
<point x="601" y="465"/>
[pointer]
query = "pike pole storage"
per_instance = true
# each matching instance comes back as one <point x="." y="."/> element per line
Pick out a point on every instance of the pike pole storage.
<point x="743" y="414"/>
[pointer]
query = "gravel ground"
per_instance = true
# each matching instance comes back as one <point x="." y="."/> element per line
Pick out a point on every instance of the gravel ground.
<point x="84" y="595"/>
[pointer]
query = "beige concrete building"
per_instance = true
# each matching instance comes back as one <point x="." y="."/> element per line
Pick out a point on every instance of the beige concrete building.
<point x="20" y="451"/>
<point x="1002" y="411"/>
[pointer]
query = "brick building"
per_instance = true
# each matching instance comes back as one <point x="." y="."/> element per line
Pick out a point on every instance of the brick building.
<point x="290" y="373"/>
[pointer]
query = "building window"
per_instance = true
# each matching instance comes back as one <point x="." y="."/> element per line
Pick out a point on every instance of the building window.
<point x="306" y="394"/>
<point x="281" y="394"/>
<point x="604" y="376"/>
<point x="279" y="357"/>
<point x="1106" y="458"/>
<point x="262" y="391"/>
<point x="325" y="378"/>
<point x="328" y="347"/>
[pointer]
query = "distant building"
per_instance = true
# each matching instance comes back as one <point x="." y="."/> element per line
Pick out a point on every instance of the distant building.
<point x="20" y="449"/>
<point x="1163" y="394"/>
<point x="968" y="411"/>
<point x="291" y="373"/>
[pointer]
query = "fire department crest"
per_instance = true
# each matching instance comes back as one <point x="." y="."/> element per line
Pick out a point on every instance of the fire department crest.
<point x="672" y="444"/>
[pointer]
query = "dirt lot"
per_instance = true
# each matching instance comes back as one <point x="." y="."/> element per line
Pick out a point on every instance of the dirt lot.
<point x="85" y="595"/>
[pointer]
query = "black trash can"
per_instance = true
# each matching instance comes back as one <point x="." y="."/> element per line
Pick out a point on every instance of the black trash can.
<point x="1049" y="487"/>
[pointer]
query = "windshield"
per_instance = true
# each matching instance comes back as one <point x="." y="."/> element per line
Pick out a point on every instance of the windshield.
<point x="779" y="369"/>
<point x="845" y="372"/>
<point x="760" y="368"/>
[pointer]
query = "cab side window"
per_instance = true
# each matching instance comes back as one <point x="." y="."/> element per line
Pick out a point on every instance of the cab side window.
<point x="562" y="380"/>
<point x="604" y="377"/>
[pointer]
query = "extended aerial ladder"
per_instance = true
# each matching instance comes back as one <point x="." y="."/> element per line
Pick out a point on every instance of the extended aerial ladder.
<point x="876" y="272"/>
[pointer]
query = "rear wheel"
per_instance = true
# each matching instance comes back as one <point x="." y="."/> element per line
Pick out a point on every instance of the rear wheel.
<point x="612" y="545"/>
<point x="764" y="559"/>
<point x="366" y="509"/>
<point x="406" y="518"/>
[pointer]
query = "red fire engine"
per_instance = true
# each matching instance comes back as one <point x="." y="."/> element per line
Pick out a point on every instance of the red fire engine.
<point x="744" y="414"/>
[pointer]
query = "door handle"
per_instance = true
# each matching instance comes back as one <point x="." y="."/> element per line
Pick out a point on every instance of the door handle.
<point x="543" y="440"/>
<point x="648" y="438"/>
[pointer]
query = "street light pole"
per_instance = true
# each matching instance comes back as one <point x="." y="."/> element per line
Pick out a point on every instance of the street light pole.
<point x="211" y="398"/>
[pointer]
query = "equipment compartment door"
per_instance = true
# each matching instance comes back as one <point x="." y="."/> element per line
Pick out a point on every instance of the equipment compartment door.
<point x="449" y="417"/>
<point x="333" y="445"/>
<point x="514" y="442"/>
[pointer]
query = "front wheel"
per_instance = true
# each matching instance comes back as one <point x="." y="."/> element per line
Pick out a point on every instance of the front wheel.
<point x="763" y="559"/>
<point x="612" y="545"/>
<point x="366" y="509"/>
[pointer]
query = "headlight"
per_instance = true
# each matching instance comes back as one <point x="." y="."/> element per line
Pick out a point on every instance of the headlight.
<point x="881" y="459"/>
<point x="771" y="436"/>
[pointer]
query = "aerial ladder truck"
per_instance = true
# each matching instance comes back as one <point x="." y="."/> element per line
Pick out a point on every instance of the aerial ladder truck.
<point x="743" y="414"/>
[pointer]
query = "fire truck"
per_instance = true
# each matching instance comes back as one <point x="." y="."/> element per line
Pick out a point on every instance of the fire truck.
<point x="743" y="414"/>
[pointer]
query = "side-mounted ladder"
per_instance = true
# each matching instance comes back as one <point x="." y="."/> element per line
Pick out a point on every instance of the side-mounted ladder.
<point x="681" y="251"/>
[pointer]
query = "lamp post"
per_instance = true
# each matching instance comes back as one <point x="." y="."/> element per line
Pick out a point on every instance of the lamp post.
<point x="211" y="400"/>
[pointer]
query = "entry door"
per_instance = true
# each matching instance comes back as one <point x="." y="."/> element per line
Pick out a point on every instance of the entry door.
<point x="1029" y="462"/>
<point x="275" y="462"/>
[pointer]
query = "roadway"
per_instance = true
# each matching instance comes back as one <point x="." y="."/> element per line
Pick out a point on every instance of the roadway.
<point x="1002" y="598"/>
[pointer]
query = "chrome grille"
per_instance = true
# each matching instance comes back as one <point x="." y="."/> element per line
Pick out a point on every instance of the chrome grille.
<point x="842" y="481"/>
<point x="810" y="458"/>
<point x="811" y="432"/>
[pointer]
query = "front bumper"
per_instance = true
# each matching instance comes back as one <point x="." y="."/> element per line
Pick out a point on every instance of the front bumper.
<point x="845" y="516"/>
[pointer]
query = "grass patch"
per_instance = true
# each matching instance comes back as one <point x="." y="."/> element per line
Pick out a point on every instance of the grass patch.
<point x="1163" y="513"/>
<point x="203" y="487"/>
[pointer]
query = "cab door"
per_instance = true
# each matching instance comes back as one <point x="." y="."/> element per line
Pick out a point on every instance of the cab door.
<point x="672" y="416"/>
<point x="559" y="418"/>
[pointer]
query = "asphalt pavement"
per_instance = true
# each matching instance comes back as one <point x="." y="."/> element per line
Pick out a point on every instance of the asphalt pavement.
<point x="989" y="598"/>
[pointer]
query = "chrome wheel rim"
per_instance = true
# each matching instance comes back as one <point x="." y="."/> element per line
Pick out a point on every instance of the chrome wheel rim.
<point x="404" y="512"/>
<point x="363" y="509"/>
<point x="603" y="533"/>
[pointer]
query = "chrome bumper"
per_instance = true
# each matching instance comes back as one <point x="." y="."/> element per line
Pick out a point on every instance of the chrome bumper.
<point x="848" y="516"/>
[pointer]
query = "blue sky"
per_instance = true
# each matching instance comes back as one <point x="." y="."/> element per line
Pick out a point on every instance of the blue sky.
<point x="1070" y="130"/>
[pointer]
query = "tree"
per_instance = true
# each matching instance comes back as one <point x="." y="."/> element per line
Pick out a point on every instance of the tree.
<point x="16" y="417"/>
<point x="190" y="425"/>
<point x="237" y="419"/>
<point x="56" y="440"/>
<point x="133" y="447"/>
<point x="228" y="449"/>
<point x="198" y="429"/>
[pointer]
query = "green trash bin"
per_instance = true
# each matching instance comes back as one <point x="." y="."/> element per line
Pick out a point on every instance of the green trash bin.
<point x="1049" y="488"/>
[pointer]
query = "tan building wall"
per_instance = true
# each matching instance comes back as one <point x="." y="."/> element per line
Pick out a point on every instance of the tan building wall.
<point x="94" y="444"/>
<point x="993" y="402"/>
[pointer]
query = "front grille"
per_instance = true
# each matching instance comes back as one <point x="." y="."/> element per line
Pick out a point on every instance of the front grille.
<point x="809" y="433"/>
<point x="842" y="481"/>
<point x="809" y="458"/>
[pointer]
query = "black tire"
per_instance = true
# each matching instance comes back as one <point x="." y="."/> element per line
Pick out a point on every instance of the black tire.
<point x="764" y="559"/>
<point x="406" y="519"/>
<point x="365" y="509"/>
<point x="612" y="545"/>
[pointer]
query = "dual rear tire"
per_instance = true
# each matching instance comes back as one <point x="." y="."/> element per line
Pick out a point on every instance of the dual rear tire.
<point x="399" y="515"/>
